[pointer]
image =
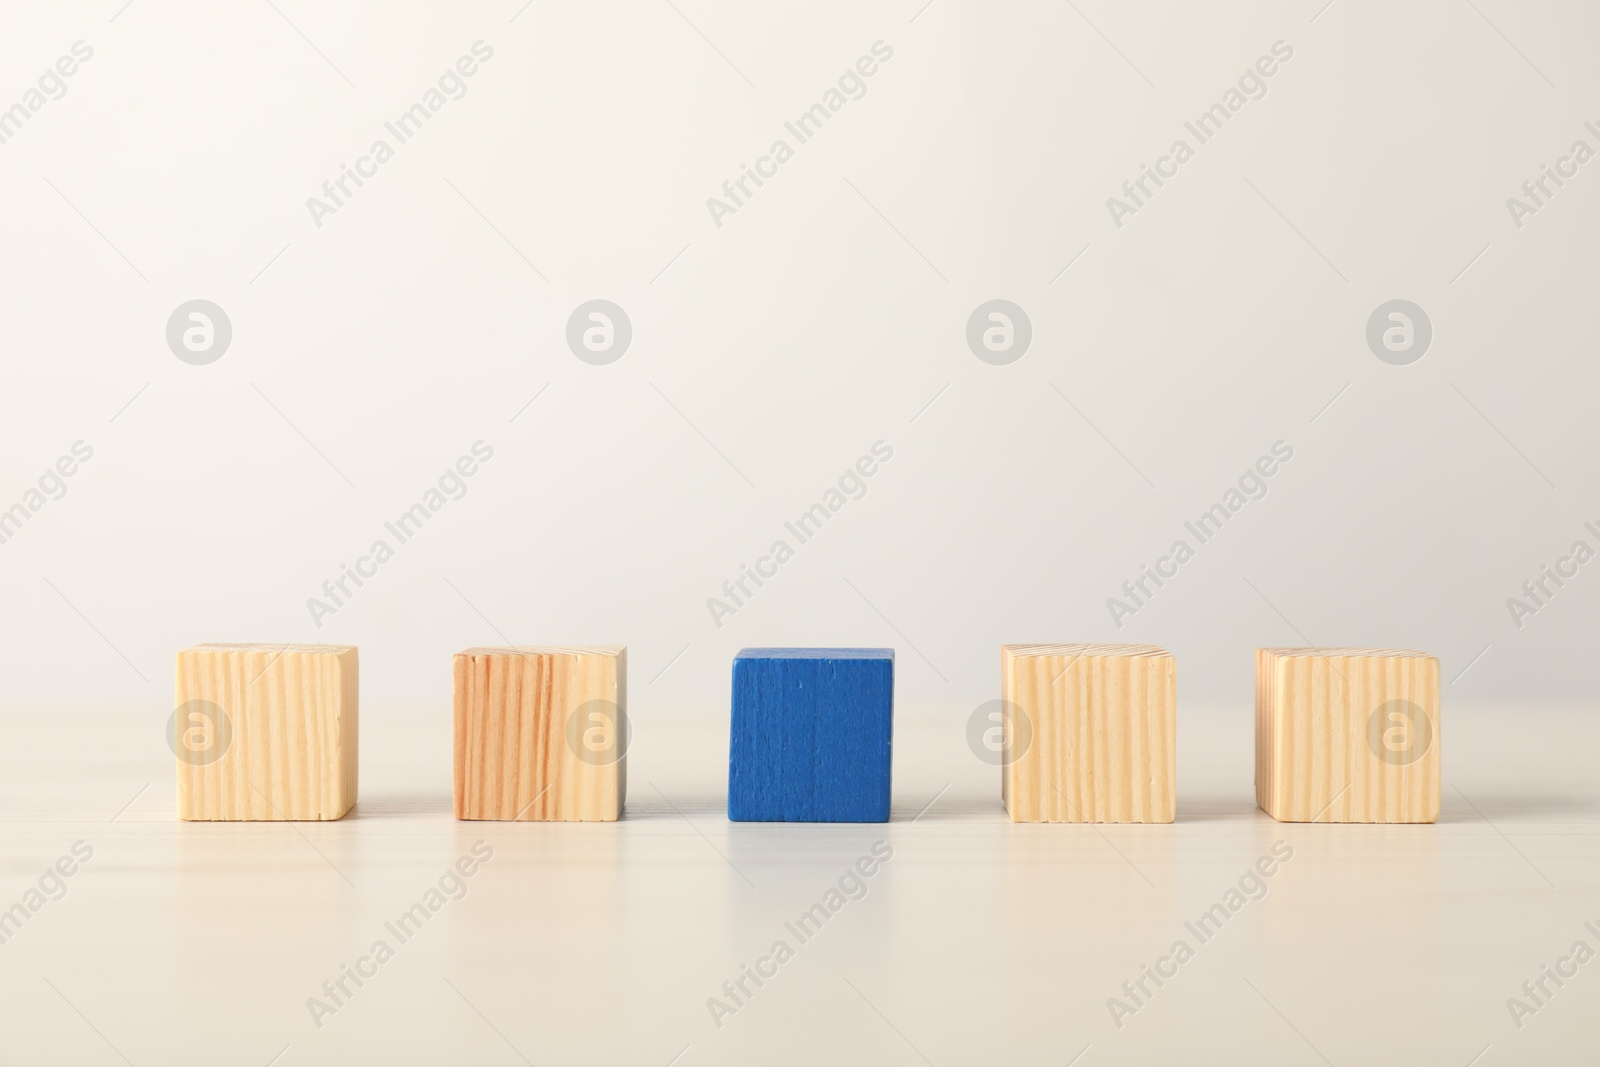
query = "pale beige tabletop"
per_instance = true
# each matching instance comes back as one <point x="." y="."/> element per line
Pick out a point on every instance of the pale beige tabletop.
<point x="977" y="941"/>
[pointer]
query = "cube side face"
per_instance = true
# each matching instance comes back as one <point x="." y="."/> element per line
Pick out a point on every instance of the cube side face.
<point x="1265" y="666"/>
<point x="1355" y="739"/>
<point x="1025" y="782"/>
<point x="1309" y="737"/>
<point x="624" y="731"/>
<point x="1011" y="738"/>
<point x="811" y="737"/>
<point x="1274" y="740"/>
<point x="349" y="730"/>
<point x="267" y="733"/>
<point x="1103" y="737"/>
<point x="540" y="735"/>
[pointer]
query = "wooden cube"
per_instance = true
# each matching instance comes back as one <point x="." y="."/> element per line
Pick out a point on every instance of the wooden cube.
<point x="1090" y="733"/>
<point x="541" y="734"/>
<point x="1347" y="735"/>
<point x="265" y="732"/>
<point x="811" y="735"/>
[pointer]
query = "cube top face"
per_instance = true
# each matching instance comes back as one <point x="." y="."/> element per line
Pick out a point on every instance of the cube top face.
<point x="227" y="646"/>
<point x="817" y="653"/>
<point x="1348" y="653"/>
<point x="541" y="733"/>
<point x="812" y="735"/>
<point x="266" y="732"/>
<point x="1090" y="733"/>
<point x="1078" y="651"/>
<point x="1347" y="735"/>
<point x="545" y="650"/>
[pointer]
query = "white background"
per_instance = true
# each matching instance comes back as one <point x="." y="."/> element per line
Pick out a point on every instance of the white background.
<point x="796" y="335"/>
<point x="768" y="354"/>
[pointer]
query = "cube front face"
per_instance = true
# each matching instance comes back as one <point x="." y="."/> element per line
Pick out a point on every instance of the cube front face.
<point x="541" y="733"/>
<point x="1090" y="733"/>
<point x="1347" y="735"/>
<point x="812" y="735"/>
<point x="266" y="732"/>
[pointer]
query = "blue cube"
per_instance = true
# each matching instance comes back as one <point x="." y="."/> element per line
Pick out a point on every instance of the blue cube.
<point x="812" y="734"/>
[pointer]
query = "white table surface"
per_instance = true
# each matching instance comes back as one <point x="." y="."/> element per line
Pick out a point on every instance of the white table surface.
<point x="979" y="942"/>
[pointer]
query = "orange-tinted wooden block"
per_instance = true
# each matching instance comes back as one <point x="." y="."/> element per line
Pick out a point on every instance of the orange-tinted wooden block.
<point x="541" y="733"/>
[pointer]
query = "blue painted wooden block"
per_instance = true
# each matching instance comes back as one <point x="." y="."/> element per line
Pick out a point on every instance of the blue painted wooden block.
<point x="812" y="731"/>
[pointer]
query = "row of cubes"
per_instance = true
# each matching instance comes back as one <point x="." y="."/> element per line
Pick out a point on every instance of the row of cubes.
<point x="1081" y="733"/>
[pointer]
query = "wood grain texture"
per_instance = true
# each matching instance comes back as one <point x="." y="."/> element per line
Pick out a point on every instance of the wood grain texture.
<point x="266" y="732"/>
<point x="812" y="735"/>
<point x="541" y="733"/>
<point x="1091" y="735"/>
<point x="1347" y="735"/>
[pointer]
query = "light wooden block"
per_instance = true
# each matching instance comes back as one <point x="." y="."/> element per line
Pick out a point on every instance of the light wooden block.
<point x="1091" y="734"/>
<point x="541" y="734"/>
<point x="1347" y="735"/>
<point x="266" y="732"/>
